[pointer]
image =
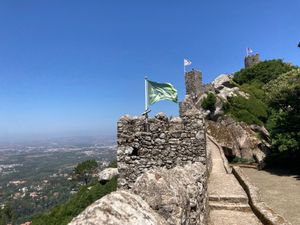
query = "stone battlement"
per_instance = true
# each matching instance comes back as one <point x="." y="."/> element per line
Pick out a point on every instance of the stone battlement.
<point x="162" y="142"/>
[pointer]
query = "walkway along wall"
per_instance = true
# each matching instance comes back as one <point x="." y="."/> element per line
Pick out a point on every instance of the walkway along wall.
<point x="166" y="143"/>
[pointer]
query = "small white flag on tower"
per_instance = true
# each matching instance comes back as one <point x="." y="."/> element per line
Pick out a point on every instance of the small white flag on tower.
<point x="186" y="62"/>
<point x="249" y="51"/>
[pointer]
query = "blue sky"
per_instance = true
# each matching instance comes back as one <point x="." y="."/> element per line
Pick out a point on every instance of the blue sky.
<point x="74" y="67"/>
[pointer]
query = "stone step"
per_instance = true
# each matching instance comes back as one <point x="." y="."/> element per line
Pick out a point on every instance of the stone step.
<point x="230" y="206"/>
<point x="229" y="199"/>
<point x="232" y="217"/>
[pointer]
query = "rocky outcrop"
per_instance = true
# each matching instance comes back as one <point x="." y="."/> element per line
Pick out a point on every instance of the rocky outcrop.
<point x="224" y="88"/>
<point x="107" y="174"/>
<point x="178" y="195"/>
<point x="239" y="139"/>
<point x="159" y="197"/>
<point x="119" y="208"/>
<point x="222" y="81"/>
<point x="236" y="138"/>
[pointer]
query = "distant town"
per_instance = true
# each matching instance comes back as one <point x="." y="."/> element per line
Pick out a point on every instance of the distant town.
<point x="37" y="176"/>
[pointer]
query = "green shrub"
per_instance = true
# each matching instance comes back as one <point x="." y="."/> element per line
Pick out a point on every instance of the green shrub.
<point x="254" y="88"/>
<point x="63" y="214"/>
<point x="250" y="111"/>
<point x="242" y="160"/>
<point x="209" y="103"/>
<point x="113" y="164"/>
<point x="283" y="97"/>
<point x="83" y="171"/>
<point x="243" y="115"/>
<point x="263" y="71"/>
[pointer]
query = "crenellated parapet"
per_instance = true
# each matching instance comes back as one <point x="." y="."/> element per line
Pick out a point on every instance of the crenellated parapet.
<point x="158" y="142"/>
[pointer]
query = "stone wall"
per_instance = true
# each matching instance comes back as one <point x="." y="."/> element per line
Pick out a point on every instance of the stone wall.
<point x="162" y="142"/>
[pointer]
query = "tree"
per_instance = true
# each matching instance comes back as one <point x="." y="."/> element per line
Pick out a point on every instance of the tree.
<point x="283" y="96"/>
<point x="209" y="103"/>
<point x="83" y="171"/>
<point x="6" y="215"/>
<point x="283" y="92"/>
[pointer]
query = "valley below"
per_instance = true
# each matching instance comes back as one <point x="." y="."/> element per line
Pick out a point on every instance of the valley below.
<point x="37" y="176"/>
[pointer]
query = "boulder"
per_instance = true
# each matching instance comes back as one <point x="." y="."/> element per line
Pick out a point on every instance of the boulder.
<point x="226" y="92"/>
<point x="107" y="174"/>
<point x="223" y="80"/>
<point x="119" y="208"/>
<point x="262" y="131"/>
<point x="178" y="194"/>
<point x="239" y="139"/>
<point x="225" y="89"/>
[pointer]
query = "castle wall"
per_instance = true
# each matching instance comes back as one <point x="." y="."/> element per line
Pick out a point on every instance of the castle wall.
<point x="167" y="143"/>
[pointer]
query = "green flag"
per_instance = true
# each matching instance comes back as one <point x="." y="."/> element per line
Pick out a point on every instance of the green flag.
<point x="161" y="91"/>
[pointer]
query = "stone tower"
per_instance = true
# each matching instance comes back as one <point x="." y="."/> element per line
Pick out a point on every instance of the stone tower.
<point x="251" y="60"/>
<point x="193" y="83"/>
<point x="194" y="89"/>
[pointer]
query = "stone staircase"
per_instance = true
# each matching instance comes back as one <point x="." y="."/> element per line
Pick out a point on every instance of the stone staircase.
<point x="228" y="202"/>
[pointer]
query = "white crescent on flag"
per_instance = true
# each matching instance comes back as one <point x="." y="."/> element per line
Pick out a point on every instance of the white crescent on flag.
<point x="187" y="62"/>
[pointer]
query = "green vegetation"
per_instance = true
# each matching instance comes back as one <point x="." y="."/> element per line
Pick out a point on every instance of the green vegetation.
<point x="83" y="171"/>
<point x="254" y="110"/>
<point x="6" y="215"/>
<point x="46" y="175"/>
<point x="274" y="101"/>
<point x="113" y="164"/>
<point x="263" y="72"/>
<point x="242" y="160"/>
<point x="250" y="111"/>
<point x="283" y="96"/>
<point x="63" y="214"/>
<point x="209" y="103"/>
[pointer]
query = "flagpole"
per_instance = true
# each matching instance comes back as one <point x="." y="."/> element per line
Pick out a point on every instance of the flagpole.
<point x="146" y="93"/>
<point x="146" y="105"/>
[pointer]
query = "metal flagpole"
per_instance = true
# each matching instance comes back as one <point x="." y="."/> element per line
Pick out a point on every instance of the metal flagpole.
<point x="146" y="94"/>
<point x="146" y="105"/>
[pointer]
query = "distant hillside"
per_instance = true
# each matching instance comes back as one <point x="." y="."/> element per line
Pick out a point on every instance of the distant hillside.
<point x="64" y="213"/>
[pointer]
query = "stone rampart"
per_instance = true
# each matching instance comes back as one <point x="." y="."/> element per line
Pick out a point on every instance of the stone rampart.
<point x="161" y="142"/>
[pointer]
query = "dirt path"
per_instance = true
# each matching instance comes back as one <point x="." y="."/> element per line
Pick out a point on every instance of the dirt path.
<point x="278" y="190"/>
<point x="227" y="200"/>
